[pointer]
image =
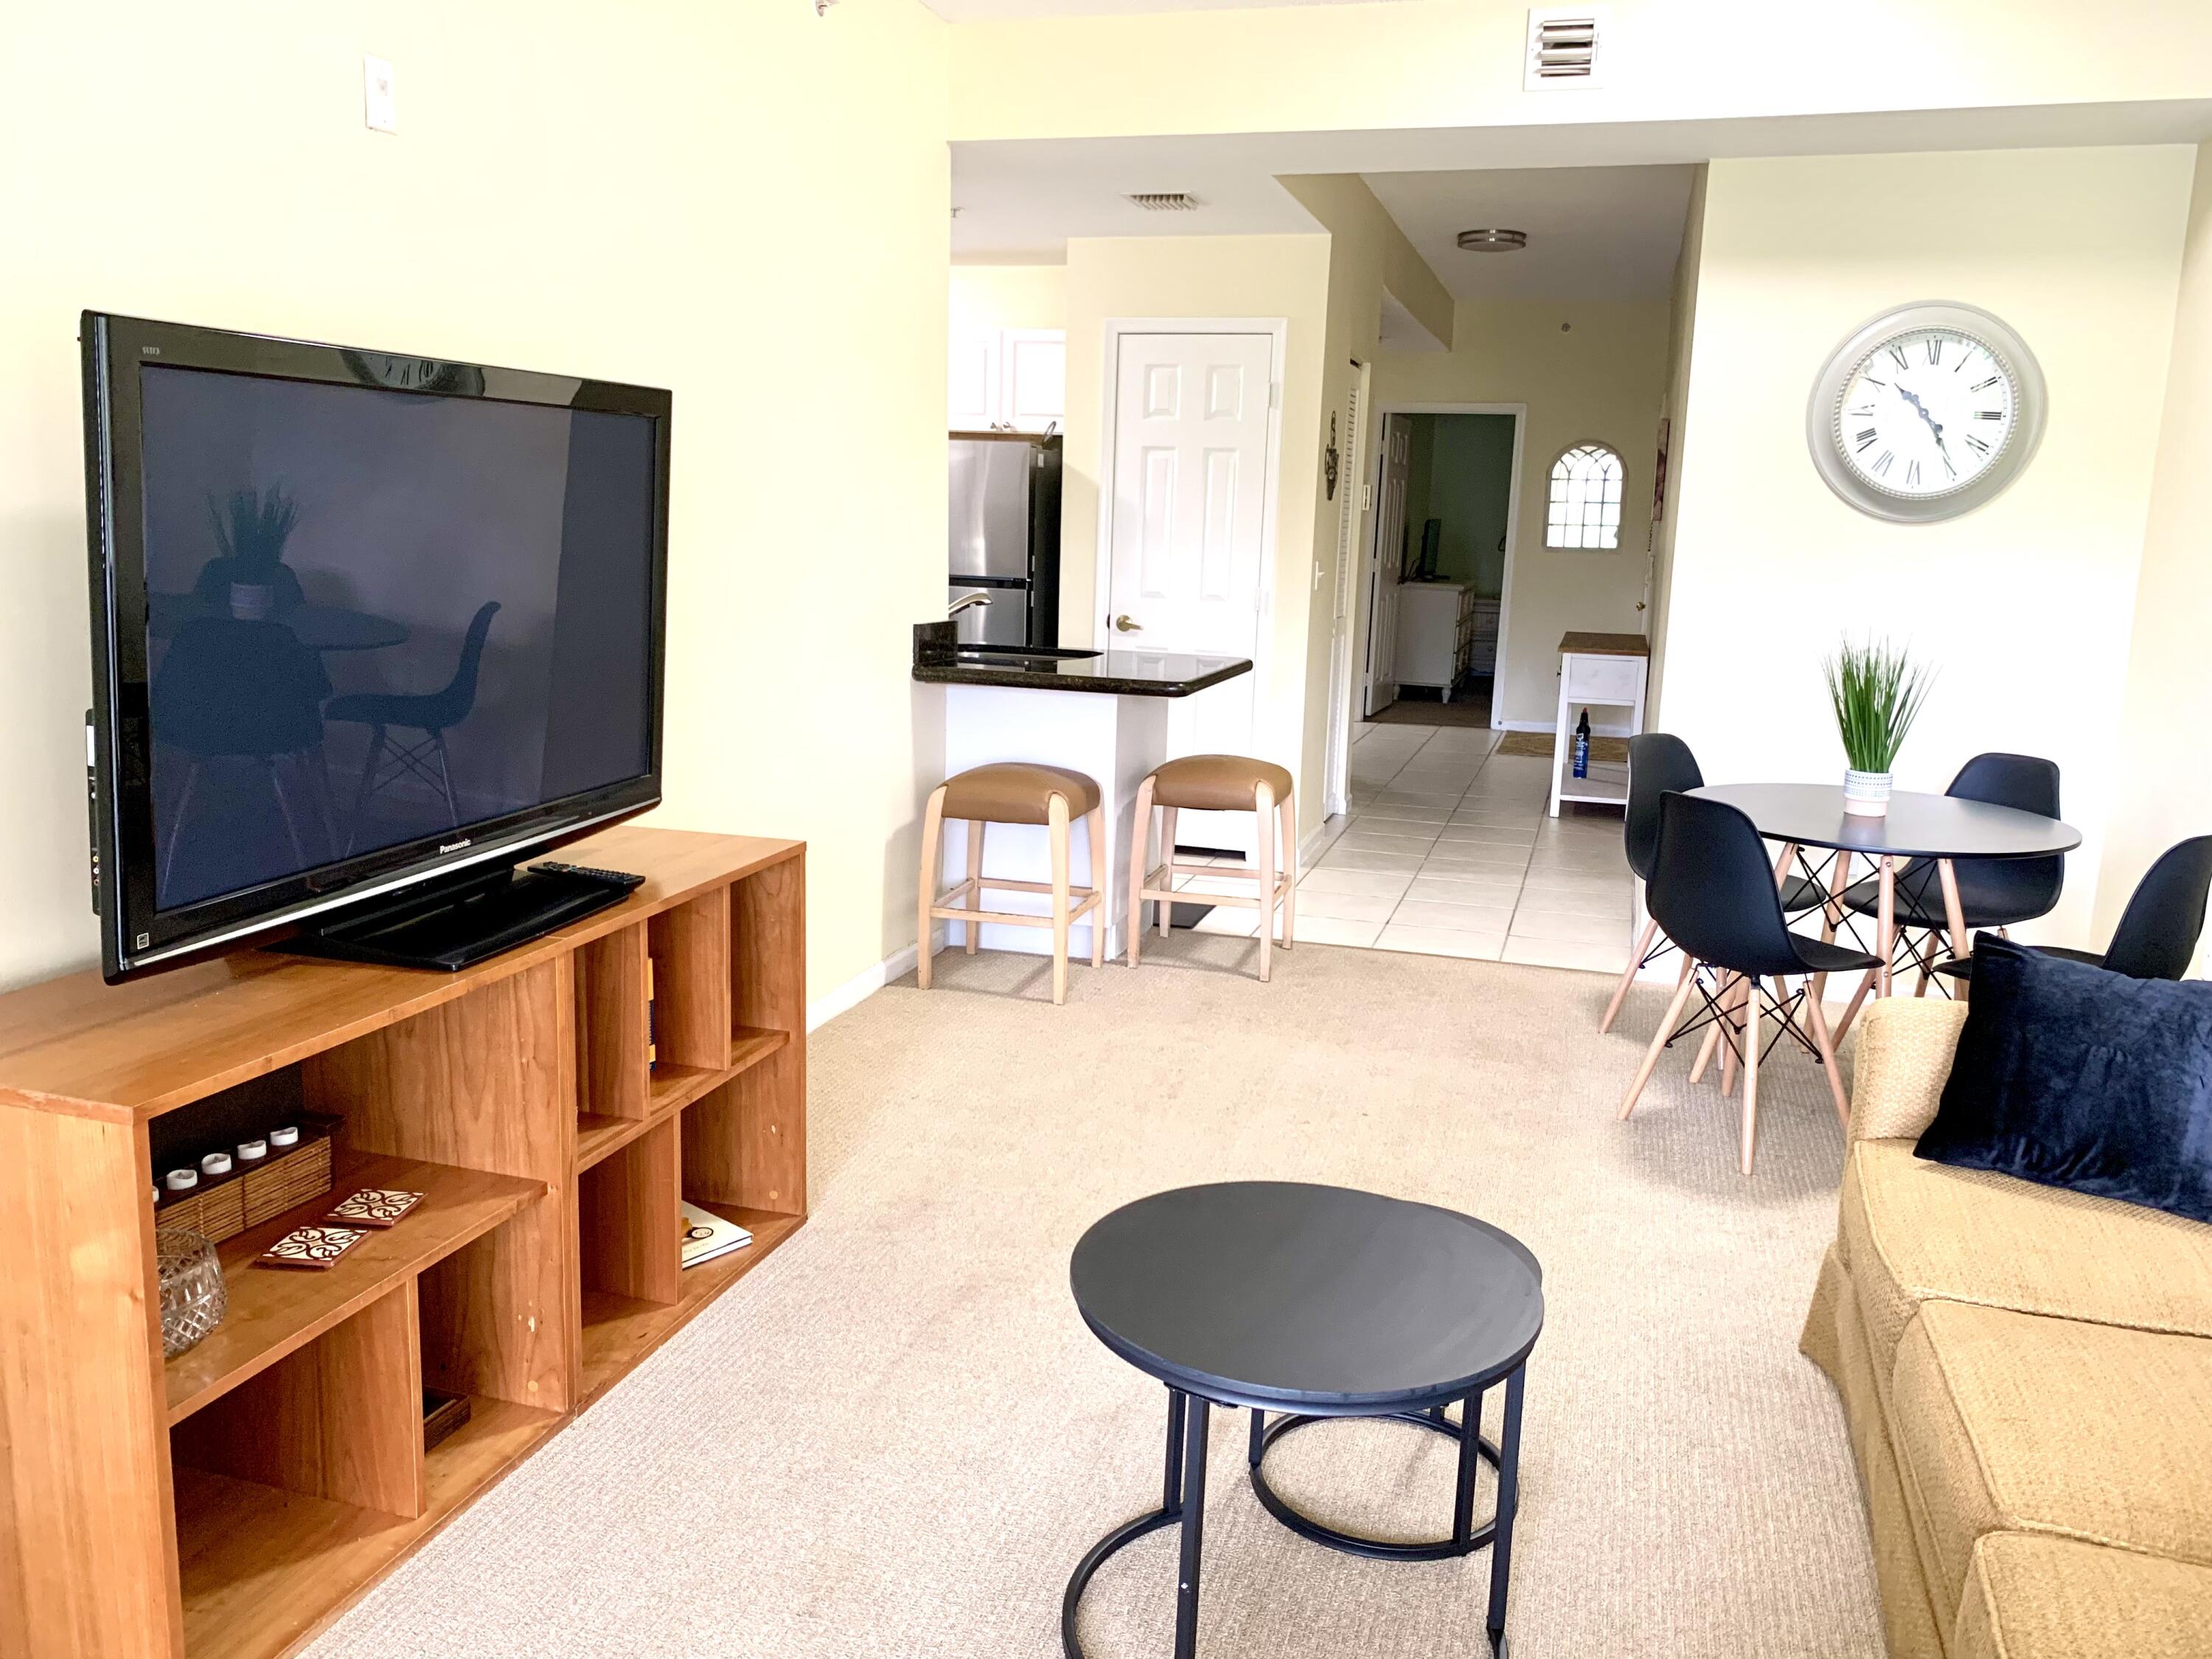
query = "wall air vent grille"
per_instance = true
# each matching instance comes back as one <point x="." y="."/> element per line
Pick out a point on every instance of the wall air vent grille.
<point x="1565" y="47"/>
<point x="1165" y="201"/>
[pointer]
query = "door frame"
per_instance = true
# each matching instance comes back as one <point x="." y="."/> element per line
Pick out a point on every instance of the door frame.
<point x="1278" y="331"/>
<point x="1336" y="740"/>
<point x="1371" y="469"/>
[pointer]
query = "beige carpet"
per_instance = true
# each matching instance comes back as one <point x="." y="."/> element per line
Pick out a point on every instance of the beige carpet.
<point x="897" y="1437"/>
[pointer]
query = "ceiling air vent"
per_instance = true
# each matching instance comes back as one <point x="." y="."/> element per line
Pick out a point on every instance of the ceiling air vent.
<point x="1165" y="201"/>
<point x="1565" y="47"/>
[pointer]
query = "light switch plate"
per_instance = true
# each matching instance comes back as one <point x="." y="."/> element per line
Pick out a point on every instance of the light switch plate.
<point x="381" y="101"/>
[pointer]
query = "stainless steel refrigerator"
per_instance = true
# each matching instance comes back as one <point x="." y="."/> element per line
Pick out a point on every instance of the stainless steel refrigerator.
<point x="1005" y="538"/>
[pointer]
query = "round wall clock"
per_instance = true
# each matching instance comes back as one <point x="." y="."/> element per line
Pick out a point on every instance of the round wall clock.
<point x="1925" y="413"/>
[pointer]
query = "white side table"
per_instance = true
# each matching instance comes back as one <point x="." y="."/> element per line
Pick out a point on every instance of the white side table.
<point x="1603" y="670"/>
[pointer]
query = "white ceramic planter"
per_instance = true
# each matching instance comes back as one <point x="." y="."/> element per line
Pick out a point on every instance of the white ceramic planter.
<point x="1865" y="795"/>
<point x="251" y="601"/>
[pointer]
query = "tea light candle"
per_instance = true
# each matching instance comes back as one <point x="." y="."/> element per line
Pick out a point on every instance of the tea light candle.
<point x="216" y="1164"/>
<point x="283" y="1138"/>
<point x="252" y="1152"/>
<point x="181" y="1180"/>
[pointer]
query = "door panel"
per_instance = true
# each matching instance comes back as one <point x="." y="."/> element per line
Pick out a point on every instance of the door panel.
<point x="1185" y="552"/>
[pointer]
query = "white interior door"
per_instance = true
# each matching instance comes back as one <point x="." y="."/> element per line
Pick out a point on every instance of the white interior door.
<point x="1346" y="594"/>
<point x="1189" y="510"/>
<point x="1383" y="558"/>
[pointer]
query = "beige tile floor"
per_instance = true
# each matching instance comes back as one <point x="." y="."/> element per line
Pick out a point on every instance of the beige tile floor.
<point x="1447" y="851"/>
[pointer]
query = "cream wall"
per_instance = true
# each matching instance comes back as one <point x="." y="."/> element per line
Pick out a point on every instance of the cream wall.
<point x="1588" y="372"/>
<point x="2165" y="771"/>
<point x="744" y="202"/>
<point x="2025" y="607"/>
<point x="1265" y="278"/>
<point x="988" y="297"/>
<point x="1458" y="63"/>
<point x="1681" y="339"/>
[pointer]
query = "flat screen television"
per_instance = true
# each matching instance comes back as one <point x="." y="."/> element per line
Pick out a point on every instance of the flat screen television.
<point x="367" y="629"/>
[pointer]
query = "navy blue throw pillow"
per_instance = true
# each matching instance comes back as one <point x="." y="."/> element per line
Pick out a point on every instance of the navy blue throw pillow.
<point x="2074" y="1077"/>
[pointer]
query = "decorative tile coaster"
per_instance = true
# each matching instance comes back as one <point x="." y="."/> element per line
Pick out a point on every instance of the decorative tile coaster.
<point x="310" y="1247"/>
<point x="373" y="1207"/>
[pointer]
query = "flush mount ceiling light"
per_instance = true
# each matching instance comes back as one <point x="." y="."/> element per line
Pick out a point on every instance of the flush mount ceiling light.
<point x="1493" y="241"/>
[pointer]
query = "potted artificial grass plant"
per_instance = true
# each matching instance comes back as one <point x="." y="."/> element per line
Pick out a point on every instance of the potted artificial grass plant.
<point x="1877" y="690"/>
<point x="251" y="529"/>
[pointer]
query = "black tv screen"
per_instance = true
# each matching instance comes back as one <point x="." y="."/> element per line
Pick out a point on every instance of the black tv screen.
<point x="359" y="618"/>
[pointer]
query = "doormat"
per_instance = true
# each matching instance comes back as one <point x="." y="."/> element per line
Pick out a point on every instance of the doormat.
<point x="1537" y="746"/>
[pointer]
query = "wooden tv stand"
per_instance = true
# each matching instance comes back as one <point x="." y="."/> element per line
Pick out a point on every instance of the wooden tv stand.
<point x="229" y="1502"/>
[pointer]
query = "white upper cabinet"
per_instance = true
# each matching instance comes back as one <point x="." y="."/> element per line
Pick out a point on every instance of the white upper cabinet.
<point x="1015" y="378"/>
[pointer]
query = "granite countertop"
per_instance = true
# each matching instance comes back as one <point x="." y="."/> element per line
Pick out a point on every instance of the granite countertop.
<point x="937" y="660"/>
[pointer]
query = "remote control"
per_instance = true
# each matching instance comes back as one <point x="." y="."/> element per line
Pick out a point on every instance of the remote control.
<point x="622" y="878"/>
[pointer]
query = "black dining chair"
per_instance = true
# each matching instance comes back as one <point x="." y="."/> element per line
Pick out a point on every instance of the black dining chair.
<point x="1993" y="893"/>
<point x="250" y="692"/>
<point x="2157" y="935"/>
<point x="1659" y="764"/>
<point x="1713" y="891"/>
<point x="433" y="714"/>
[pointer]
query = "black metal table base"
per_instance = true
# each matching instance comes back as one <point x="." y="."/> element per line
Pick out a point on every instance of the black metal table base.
<point x="1183" y="1492"/>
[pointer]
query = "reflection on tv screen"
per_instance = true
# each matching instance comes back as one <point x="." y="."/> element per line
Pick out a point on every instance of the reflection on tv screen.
<point x="374" y="617"/>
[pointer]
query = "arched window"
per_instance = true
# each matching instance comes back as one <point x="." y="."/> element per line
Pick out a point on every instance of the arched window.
<point x="1585" y="500"/>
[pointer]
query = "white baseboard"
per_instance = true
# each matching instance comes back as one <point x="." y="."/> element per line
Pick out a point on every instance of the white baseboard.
<point x="859" y="988"/>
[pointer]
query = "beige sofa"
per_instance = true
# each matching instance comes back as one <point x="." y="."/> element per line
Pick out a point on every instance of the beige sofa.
<point x="2026" y="1374"/>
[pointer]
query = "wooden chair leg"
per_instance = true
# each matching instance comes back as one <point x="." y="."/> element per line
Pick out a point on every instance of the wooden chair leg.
<point x="1721" y="993"/>
<point x="1288" y="813"/>
<point x="1628" y="975"/>
<point x="1818" y="1017"/>
<point x="1750" y="1071"/>
<point x="1831" y="913"/>
<point x="1094" y="830"/>
<point x="933" y="830"/>
<point x="1056" y="831"/>
<point x="974" y="929"/>
<point x="1167" y="857"/>
<point x="1140" y="847"/>
<point x="1851" y="1008"/>
<point x="1732" y="1063"/>
<point x="1263" y="806"/>
<point x="1659" y="1038"/>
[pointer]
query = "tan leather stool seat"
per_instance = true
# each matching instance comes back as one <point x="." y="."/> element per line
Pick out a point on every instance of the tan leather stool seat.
<point x="1219" y="783"/>
<point x="1018" y="791"/>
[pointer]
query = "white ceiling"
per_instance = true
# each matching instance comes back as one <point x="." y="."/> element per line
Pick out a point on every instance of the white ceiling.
<point x="1593" y="232"/>
<point x="1020" y="200"/>
<point x="978" y="11"/>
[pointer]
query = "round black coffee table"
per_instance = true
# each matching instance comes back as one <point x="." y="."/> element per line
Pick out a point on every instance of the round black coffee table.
<point x="1315" y="1302"/>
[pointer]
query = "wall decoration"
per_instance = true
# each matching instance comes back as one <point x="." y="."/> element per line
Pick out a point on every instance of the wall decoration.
<point x="1925" y="412"/>
<point x="1329" y="459"/>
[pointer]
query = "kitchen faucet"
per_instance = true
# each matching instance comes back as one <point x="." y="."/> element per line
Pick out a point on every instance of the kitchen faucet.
<point x="961" y="605"/>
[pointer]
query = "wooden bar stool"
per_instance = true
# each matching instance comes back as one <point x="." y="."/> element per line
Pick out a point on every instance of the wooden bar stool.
<point x="1219" y="783"/>
<point x="1015" y="792"/>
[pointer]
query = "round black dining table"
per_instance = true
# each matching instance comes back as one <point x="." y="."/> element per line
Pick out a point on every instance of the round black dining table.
<point x="1941" y="829"/>
<point x="319" y="626"/>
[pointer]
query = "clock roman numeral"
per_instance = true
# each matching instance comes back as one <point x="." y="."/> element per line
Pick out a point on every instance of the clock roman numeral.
<point x="1984" y="385"/>
<point x="1978" y="445"/>
<point x="1950" y="471"/>
<point x="1881" y="463"/>
<point x="1988" y="413"/>
<point x="1865" y="439"/>
<point x="1897" y="355"/>
<point x="1934" y="348"/>
<point x="1912" y="473"/>
<point x="1866" y="413"/>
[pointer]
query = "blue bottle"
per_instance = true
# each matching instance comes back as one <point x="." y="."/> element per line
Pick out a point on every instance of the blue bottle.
<point x="1582" y="746"/>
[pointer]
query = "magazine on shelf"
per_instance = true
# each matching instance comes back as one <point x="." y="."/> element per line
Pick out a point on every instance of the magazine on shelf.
<point x="706" y="1236"/>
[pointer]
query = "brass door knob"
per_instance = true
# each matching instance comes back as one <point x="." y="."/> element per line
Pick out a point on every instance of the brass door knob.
<point x="1126" y="626"/>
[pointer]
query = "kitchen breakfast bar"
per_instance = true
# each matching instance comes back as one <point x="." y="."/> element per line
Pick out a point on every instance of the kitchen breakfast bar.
<point x="1103" y="714"/>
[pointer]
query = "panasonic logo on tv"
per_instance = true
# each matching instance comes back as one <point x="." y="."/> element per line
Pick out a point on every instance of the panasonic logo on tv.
<point x="454" y="845"/>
